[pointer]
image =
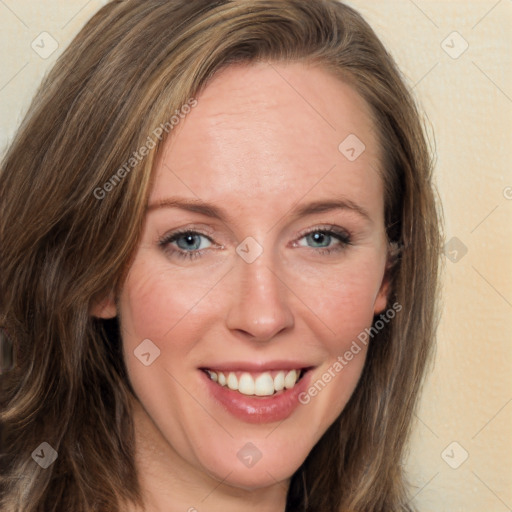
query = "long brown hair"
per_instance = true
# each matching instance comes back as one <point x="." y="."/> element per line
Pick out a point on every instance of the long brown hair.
<point x="62" y="247"/>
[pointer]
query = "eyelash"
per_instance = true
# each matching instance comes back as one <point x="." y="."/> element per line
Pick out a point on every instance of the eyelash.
<point x="342" y="236"/>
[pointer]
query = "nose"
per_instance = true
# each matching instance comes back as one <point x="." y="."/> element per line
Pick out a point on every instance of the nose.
<point x="259" y="306"/>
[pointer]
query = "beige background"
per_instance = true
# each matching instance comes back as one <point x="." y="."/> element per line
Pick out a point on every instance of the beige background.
<point x="468" y="99"/>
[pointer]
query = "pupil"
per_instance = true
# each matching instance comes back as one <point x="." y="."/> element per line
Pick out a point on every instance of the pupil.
<point x="189" y="241"/>
<point x="318" y="237"/>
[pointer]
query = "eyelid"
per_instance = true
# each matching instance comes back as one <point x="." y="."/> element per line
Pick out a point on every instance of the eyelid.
<point x="209" y="232"/>
<point x="341" y="232"/>
<point x="204" y="231"/>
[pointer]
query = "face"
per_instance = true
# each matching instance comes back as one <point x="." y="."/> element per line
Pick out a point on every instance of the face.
<point x="242" y="275"/>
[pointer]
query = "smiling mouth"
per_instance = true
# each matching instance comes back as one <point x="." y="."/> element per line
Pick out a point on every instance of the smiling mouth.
<point x="265" y="383"/>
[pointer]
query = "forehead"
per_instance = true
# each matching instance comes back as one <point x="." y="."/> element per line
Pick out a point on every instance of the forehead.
<point x="272" y="132"/>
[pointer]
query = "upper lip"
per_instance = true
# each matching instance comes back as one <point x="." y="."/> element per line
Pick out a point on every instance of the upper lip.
<point x="257" y="366"/>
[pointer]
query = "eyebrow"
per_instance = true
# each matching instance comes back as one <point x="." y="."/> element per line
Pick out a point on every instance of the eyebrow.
<point x="213" y="211"/>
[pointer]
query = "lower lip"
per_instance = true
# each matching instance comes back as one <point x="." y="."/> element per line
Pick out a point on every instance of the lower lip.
<point x="256" y="409"/>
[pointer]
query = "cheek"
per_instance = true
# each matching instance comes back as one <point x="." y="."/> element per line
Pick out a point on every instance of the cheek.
<point x="157" y="301"/>
<point x="342" y="298"/>
<point x="345" y="305"/>
<point x="171" y="308"/>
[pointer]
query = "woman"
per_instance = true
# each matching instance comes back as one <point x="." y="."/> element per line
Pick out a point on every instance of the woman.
<point x="219" y="265"/>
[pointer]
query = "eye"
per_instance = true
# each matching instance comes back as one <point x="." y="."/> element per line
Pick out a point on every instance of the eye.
<point x="185" y="244"/>
<point x="322" y="239"/>
<point x="189" y="243"/>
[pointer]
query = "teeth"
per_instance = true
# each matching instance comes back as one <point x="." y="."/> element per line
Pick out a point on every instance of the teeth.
<point x="261" y="385"/>
<point x="279" y="381"/>
<point x="212" y="375"/>
<point x="232" y="381"/>
<point x="290" y="379"/>
<point x="246" y="384"/>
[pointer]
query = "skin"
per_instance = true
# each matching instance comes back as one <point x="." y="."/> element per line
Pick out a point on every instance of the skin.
<point x="262" y="138"/>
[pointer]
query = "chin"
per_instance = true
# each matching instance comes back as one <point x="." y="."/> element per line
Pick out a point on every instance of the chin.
<point x="253" y="465"/>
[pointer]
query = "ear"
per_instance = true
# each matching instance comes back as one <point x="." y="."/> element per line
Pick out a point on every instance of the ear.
<point x="381" y="301"/>
<point x="104" y="307"/>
